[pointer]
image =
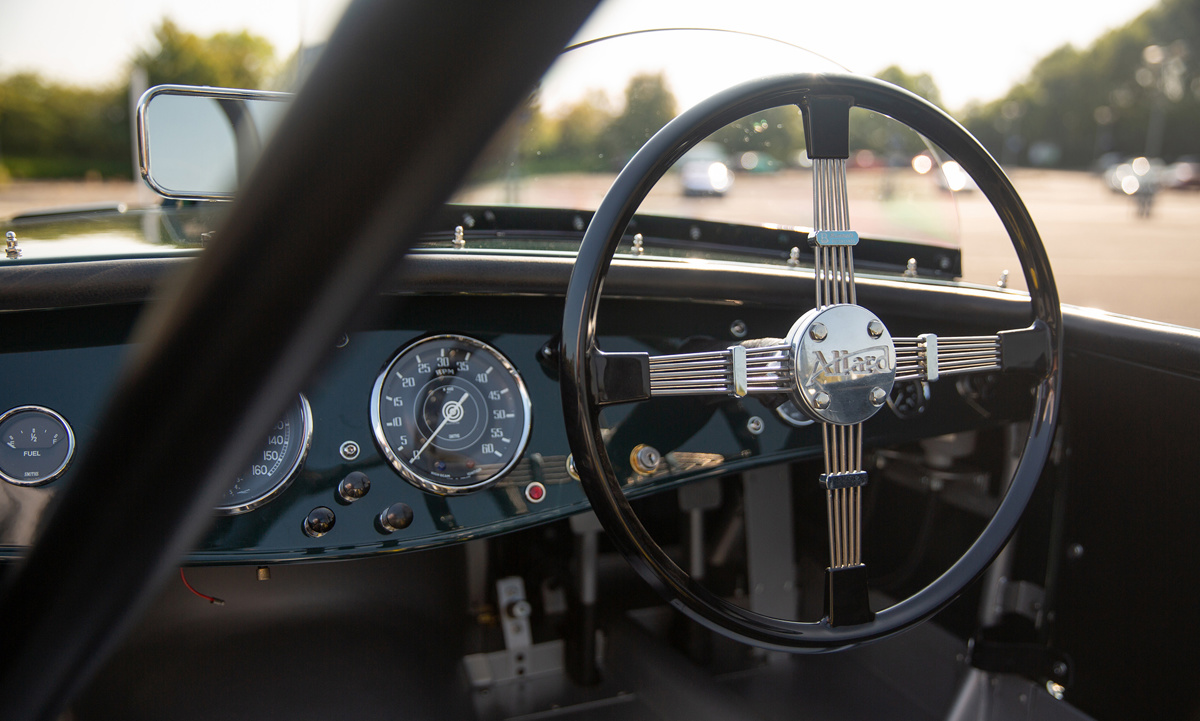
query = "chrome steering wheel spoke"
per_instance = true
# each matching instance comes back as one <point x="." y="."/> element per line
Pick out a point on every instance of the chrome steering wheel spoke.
<point x="826" y="121"/>
<point x="928" y="357"/>
<point x="763" y="366"/>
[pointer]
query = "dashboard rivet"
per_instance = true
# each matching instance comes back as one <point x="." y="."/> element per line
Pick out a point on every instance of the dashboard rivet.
<point x="343" y="341"/>
<point x="738" y="329"/>
<point x="875" y="328"/>
<point x="12" y="251"/>
<point x="349" y="450"/>
<point x="460" y="242"/>
<point x="878" y="396"/>
<point x="821" y="400"/>
<point x="638" y="246"/>
<point x="755" y="425"/>
<point x="794" y="257"/>
<point x="818" y="332"/>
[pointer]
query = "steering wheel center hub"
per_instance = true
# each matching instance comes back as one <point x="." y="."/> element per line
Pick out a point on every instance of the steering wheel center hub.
<point x="844" y="363"/>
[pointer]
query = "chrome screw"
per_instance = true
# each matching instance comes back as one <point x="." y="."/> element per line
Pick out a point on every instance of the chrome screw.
<point x="737" y="329"/>
<point x="821" y="400"/>
<point x="878" y="396"/>
<point x="638" y="246"/>
<point x="818" y="332"/>
<point x="349" y="450"/>
<point x="794" y="257"/>
<point x="875" y="328"/>
<point x="754" y="425"/>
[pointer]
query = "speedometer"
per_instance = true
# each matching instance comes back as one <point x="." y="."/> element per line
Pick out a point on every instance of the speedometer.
<point x="451" y="414"/>
<point x="275" y="463"/>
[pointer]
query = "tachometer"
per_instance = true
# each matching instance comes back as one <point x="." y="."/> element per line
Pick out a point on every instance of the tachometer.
<point x="451" y="414"/>
<point x="275" y="464"/>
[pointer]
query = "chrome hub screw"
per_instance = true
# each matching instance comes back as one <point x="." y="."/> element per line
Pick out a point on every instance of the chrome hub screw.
<point x="821" y="400"/>
<point x="818" y="332"/>
<point x="875" y="328"/>
<point x="878" y="396"/>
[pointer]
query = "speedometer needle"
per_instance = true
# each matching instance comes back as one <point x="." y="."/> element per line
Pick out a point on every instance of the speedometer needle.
<point x="452" y="410"/>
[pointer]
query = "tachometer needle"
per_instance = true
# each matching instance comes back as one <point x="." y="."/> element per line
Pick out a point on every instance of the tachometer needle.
<point x="451" y="412"/>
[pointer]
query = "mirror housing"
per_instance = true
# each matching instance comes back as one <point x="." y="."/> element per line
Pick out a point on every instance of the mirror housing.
<point x="198" y="143"/>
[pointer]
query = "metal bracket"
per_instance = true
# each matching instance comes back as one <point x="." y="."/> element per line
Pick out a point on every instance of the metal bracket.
<point x="514" y="613"/>
<point x="1022" y="598"/>
<point x="826" y="238"/>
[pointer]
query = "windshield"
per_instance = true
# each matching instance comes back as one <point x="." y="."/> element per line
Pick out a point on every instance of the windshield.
<point x="604" y="98"/>
<point x="1092" y="117"/>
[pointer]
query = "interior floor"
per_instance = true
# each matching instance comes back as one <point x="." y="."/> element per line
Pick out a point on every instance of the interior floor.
<point x="386" y="638"/>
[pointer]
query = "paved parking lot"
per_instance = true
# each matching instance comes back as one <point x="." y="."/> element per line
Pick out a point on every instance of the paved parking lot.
<point x="1103" y="255"/>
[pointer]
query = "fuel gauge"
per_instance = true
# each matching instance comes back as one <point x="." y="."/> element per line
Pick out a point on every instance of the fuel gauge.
<point x="36" y="445"/>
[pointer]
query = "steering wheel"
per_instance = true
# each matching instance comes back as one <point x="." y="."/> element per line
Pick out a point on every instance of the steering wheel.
<point x="837" y="364"/>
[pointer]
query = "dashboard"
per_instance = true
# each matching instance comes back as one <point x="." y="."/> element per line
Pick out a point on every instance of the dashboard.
<point x="364" y="460"/>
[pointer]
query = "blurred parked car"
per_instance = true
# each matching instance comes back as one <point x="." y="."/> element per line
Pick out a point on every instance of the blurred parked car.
<point x="1184" y="173"/>
<point x="705" y="170"/>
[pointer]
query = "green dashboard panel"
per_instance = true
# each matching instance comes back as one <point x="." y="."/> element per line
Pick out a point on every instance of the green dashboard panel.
<point x="68" y="361"/>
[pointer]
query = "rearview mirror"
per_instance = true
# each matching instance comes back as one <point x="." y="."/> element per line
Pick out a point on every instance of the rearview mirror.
<point x="198" y="143"/>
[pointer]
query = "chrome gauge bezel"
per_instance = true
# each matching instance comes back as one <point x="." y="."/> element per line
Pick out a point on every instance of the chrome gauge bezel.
<point x="62" y="467"/>
<point x="414" y="476"/>
<point x="306" y="430"/>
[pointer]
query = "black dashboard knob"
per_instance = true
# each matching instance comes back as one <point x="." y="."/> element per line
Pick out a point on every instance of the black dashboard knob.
<point x="396" y="517"/>
<point x="319" y="521"/>
<point x="353" y="487"/>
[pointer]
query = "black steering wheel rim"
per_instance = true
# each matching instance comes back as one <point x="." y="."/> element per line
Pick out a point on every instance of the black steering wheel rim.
<point x="581" y="410"/>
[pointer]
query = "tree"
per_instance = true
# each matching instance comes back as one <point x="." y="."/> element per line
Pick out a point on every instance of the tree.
<point x="649" y="105"/>
<point x="234" y="60"/>
<point x="51" y="129"/>
<point x="921" y="84"/>
<point x="775" y="132"/>
<point x="578" y="132"/>
<point x="883" y="136"/>
<point x="1080" y="103"/>
<point x="54" y="130"/>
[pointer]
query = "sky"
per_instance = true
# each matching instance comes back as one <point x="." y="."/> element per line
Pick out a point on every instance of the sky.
<point x="973" y="50"/>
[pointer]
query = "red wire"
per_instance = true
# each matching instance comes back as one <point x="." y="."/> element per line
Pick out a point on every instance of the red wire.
<point x="210" y="599"/>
